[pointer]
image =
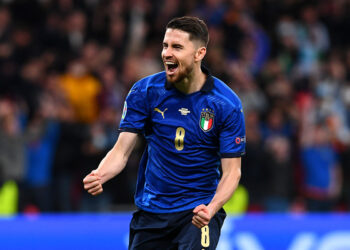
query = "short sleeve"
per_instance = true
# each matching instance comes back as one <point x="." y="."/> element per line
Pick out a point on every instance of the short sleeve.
<point x="135" y="111"/>
<point x="232" y="136"/>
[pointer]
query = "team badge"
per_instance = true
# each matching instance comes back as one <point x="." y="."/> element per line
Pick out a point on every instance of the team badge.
<point x="206" y="122"/>
<point x="125" y="109"/>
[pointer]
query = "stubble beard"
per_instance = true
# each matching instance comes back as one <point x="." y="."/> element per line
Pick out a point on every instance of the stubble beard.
<point x="186" y="73"/>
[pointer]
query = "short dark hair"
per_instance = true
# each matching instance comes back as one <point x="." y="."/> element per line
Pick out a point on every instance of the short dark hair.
<point x="196" y="27"/>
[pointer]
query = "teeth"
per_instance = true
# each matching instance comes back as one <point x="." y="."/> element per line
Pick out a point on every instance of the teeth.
<point x="169" y="63"/>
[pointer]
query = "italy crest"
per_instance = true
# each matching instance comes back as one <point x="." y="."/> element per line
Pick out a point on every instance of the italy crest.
<point x="206" y="120"/>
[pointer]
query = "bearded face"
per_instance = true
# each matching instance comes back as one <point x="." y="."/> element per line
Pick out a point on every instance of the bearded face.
<point x="178" y="55"/>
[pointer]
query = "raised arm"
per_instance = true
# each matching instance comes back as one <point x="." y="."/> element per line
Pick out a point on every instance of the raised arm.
<point x="231" y="174"/>
<point x="112" y="164"/>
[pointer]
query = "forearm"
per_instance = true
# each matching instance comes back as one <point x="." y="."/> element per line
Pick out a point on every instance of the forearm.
<point x="111" y="165"/>
<point x="231" y="173"/>
<point x="225" y="189"/>
<point x="115" y="160"/>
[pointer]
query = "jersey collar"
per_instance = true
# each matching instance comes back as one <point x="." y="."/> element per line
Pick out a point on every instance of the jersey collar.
<point x="208" y="84"/>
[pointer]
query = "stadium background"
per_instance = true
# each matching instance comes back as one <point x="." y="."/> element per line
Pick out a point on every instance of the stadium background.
<point x="66" y="67"/>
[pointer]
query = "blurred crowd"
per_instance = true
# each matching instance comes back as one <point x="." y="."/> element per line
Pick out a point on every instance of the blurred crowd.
<point x="66" y="67"/>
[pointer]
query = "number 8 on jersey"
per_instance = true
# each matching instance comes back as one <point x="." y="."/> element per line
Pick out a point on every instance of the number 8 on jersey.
<point x="179" y="139"/>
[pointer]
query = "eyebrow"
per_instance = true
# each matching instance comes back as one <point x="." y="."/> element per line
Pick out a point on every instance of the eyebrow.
<point x="174" y="44"/>
<point x="178" y="45"/>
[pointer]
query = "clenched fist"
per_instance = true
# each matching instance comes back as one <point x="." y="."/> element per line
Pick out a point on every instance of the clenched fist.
<point x="202" y="216"/>
<point x="92" y="183"/>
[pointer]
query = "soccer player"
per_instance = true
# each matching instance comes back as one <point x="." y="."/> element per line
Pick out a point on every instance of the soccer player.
<point x="193" y="124"/>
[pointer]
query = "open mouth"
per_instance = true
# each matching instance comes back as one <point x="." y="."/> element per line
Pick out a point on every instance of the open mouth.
<point x="171" y="67"/>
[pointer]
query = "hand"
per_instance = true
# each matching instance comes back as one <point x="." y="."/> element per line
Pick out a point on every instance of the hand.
<point x="202" y="216"/>
<point x="92" y="183"/>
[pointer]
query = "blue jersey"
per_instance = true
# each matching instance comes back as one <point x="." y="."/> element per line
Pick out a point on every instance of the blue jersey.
<point x="186" y="135"/>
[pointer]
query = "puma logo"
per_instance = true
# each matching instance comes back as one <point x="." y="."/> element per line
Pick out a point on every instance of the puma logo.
<point x="161" y="112"/>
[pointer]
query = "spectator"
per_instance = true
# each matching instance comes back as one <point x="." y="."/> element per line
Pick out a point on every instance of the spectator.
<point x="322" y="172"/>
<point x="12" y="152"/>
<point x="279" y="174"/>
<point x="81" y="90"/>
<point x="43" y="132"/>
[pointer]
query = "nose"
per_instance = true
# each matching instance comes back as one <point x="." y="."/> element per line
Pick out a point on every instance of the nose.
<point x="166" y="53"/>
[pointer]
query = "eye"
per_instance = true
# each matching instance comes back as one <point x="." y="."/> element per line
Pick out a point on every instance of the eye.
<point x="165" y="45"/>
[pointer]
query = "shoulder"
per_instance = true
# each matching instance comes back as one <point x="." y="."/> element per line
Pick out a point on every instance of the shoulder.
<point x="224" y="95"/>
<point x="151" y="81"/>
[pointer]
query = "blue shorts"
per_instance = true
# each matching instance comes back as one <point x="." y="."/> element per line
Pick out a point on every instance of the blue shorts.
<point x="173" y="231"/>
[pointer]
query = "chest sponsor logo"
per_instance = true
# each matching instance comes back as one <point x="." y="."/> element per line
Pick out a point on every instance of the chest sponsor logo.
<point x="206" y="121"/>
<point x="184" y="111"/>
<point x="161" y="112"/>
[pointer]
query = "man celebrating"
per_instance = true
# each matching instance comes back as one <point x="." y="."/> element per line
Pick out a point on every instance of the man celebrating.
<point x="193" y="124"/>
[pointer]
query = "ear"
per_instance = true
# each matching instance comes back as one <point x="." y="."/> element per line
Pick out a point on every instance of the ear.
<point x="200" y="53"/>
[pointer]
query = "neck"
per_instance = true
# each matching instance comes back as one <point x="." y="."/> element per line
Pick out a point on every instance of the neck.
<point x="193" y="82"/>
